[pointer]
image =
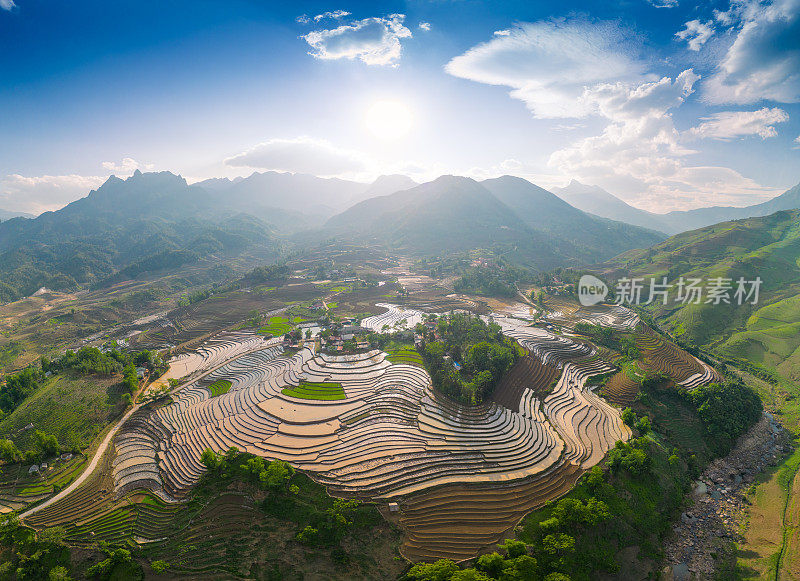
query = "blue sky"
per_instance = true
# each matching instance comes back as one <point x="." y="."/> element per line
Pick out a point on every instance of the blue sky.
<point x="667" y="104"/>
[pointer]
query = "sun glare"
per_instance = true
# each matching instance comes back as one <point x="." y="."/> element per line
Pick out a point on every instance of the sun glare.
<point x="389" y="119"/>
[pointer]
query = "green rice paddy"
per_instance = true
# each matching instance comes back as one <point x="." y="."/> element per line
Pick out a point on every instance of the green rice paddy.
<point x="219" y="387"/>
<point x="318" y="390"/>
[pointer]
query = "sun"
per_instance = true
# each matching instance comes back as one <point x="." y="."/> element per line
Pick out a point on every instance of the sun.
<point x="389" y="119"/>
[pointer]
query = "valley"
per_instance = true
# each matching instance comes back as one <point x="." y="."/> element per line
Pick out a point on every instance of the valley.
<point x="416" y="396"/>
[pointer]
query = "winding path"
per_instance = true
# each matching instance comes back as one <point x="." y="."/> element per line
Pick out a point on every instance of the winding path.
<point x="89" y="469"/>
<point x="112" y="432"/>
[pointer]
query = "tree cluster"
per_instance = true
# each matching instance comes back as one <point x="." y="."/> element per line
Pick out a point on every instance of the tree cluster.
<point x="19" y="386"/>
<point x="481" y="351"/>
<point x="727" y="411"/>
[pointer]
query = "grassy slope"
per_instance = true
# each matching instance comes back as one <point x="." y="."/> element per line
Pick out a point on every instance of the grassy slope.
<point x="772" y="527"/>
<point x="767" y="247"/>
<point x="767" y="334"/>
<point x="74" y="409"/>
<point x="231" y="528"/>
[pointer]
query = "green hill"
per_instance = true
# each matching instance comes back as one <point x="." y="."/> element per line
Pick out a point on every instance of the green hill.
<point x="125" y="228"/>
<point x="513" y="217"/>
<point x="767" y="333"/>
<point x="590" y="237"/>
<point x="448" y="215"/>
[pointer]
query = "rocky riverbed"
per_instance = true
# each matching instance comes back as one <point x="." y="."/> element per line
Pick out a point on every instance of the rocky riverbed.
<point x="711" y="521"/>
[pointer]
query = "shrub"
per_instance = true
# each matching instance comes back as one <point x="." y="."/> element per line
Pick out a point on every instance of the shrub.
<point x="159" y="566"/>
<point x="643" y="425"/>
<point x="628" y="416"/>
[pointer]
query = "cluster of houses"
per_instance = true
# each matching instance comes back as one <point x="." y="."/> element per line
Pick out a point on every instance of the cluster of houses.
<point x="44" y="466"/>
<point x="350" y="331"/>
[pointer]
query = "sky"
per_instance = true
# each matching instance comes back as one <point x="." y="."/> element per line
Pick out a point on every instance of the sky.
<point x="667" y="104"/>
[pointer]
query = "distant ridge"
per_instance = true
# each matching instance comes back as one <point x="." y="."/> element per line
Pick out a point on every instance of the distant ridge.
<point x="7" y="215"/>
<point x="596" y="200"/>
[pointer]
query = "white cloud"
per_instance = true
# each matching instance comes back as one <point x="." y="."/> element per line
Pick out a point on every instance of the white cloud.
<point x="729" y="125"/>
<point x="126" y="167"/>
<point x="548" y="64"/>
<point x="664" y="3"/>
<point x="300" y="155"/>
<point x="797" y="140"/>
<point x="426" y="26"/>
<point x="696" y="33"/>
<point x="505" y="32"/>
<point x="621" y="102"/>
<point x="333" y="15"/>
<point x="39" y="194"/>
<point x="374" y="41"/>
<point x="763" y="62"/>
<point x="639" y="154"/>
<point x="7" y="4"/>
<point x="303" y="19"/>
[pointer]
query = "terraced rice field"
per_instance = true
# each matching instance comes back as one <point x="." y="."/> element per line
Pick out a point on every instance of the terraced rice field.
<point x="409" y="356"/>
<point x="18" y="489"/>
<point x="279" y="325"/>
<point x="394" y="317"/>
<point x="567" y="312"/>
<point x="370" y="426"/>
<point x="219" y="387"/>
<point x="319" y="390"/>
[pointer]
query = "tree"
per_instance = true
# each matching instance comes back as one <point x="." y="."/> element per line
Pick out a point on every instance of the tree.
<point x="308" y="536"/>
<point x="595" y="478"/>
<point x="54" y="535"/>
<point x="231" y="454"/>
<point x="277" y="474"/>
<point x="129" y="378"/>
<point x="514" y="548"/>
<point x="628" y="416"/>
<point x="59" y="573"/>
<point x="470" y="575"/>
<point x="522" y="568"/>
<point x="210" y="460"/>
<point x="8" y="451"/>
<point x="441" y="570"/>
<point x="491" y="564"/>
<point x="643" y="425"/>
<point x="159" y="567"/>
<point x="626" y="457"/>
<point x="45" y="444"/>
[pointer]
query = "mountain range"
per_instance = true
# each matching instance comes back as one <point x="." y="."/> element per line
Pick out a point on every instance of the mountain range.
<point x="154" y="221"/>
<point x="768" y="332"/>
<point x="595" y="200"/>
<point x="514" y="217"/>
<point x="7" y="215"/>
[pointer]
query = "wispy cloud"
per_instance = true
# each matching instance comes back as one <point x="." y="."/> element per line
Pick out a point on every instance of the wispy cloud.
<point x="548" y="64"/>
<point x="7" y="4"/>
<point x="374" y="41"/>
<point x="426" y="26"/>
<point x="126" y="167"/>
<point x="664" y="3"/>
<point x="640" y="154"/>
<point x="333" y="15"/>
<point x="728" y="125"/>
<point x="696" y="33"/>
<point x="300" y="155"/>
